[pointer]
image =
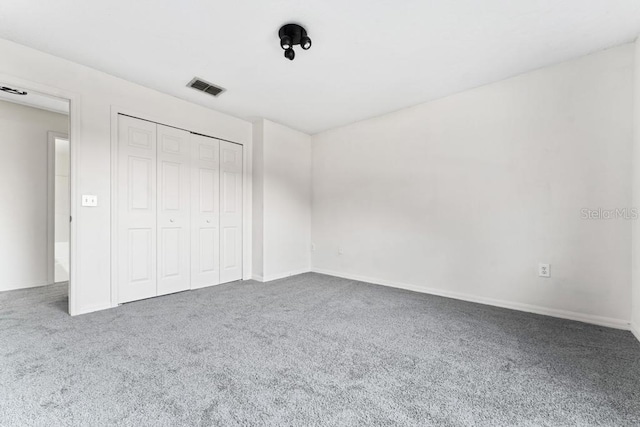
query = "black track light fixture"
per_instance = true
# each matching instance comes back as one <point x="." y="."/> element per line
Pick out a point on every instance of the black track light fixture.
<point x="291" y="35"/>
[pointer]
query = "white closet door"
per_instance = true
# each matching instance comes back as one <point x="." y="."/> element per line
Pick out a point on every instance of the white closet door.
<point x="136" y="209"/>
<point x="174" y="160"/>
<point x="230" y="211"/>
<point x="205" y="211"/>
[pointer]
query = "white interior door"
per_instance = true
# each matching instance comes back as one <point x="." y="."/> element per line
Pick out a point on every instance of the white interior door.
<point x="205" y="211"/>
<point x="230" y="211"/>
<point x="136" y="209"/>
<point x="174" y="159"/>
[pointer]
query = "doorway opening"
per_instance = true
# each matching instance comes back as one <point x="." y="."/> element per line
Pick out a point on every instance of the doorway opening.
<point x="35" y="186"/>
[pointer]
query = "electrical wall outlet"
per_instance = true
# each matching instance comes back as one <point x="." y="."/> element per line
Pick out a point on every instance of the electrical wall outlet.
<point x="313" y="247"/>
<point x="544" y="270"/>
<point x="340" y="250"/>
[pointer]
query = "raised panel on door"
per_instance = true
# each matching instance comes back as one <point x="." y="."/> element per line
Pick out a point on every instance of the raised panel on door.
<point x="230" y="212"/>
<point x="173" y="170"/>
<point x="136" y="207"/>
<point x="205" y="211"/>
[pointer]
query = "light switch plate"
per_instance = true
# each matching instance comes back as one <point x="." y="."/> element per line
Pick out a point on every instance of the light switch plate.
<point x="89" y="200"/>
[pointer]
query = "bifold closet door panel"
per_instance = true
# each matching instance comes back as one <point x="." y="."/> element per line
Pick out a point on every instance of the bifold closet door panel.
<point x="230" y="211"/>
<point x="205" y="211"/>
<point x="136" y="209"/>
<point x="174" y="158"/>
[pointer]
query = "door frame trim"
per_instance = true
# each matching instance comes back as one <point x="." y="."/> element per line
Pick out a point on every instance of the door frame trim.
<point x="75" y="102"/>
<point x="168" y="121"/>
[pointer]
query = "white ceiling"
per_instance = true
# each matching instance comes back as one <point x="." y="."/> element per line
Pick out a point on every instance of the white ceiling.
<point x="369" y="57"/>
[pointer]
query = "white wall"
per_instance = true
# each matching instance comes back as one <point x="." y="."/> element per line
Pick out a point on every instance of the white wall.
<point x="464" y="196"/>
<point x="23" y="191"/>
<point x="635" y="319"/>
<point x="96" y="93"/>
<point x="282" y="179"/>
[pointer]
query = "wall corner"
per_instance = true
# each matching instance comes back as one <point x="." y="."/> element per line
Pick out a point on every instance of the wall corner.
<point x="635" y="189"/>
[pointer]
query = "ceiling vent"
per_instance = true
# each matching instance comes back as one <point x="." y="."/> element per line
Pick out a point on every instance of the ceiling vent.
<point x="206" y="87"/>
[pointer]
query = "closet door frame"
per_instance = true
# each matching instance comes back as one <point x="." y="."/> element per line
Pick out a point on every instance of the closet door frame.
<point x="170" y="120"/>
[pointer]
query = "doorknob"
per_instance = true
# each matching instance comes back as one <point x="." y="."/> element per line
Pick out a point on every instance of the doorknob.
<point x="171" y="220"/>
<point x="208" y="221"/>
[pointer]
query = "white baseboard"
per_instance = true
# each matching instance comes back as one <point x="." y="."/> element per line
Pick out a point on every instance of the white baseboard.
<point x="562" y="314"/>
<point x="17" y="288"/>
<point x="283" y="275"/>
<point x="635" y="330"/>
<point x="257" y="278"/>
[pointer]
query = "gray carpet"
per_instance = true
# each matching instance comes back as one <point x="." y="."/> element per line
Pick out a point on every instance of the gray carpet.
<point x="308" y="350"/>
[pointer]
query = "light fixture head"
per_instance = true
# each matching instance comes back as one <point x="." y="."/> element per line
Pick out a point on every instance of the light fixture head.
<point x="289" y="54"/>
<point x="285" y="42"/>
<point x="305" y="42"/>
<point x="291" y="35"/>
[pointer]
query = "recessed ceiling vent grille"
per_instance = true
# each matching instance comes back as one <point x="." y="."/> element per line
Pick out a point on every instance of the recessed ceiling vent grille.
<point x="206" y="87"/>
